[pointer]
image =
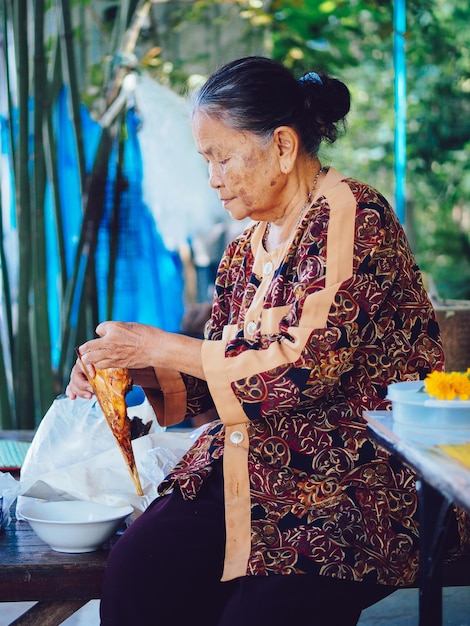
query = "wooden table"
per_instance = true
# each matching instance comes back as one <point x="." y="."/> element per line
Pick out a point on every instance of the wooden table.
<point x="441" y="482"/>
<point x="60" y="583"/>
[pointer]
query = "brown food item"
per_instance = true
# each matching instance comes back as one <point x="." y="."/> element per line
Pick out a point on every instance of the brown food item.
<point x="110" y="387"/>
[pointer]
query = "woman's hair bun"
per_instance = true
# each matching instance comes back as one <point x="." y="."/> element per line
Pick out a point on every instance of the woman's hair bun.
<point x="325" y="104"/>
<point x="328" y="95"/>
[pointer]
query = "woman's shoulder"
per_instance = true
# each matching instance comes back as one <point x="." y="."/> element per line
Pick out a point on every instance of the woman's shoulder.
<point x="363" y="191"/>
<point x="237" y="253"/>
<point x="368" y="198"/>
<point x="242" y="239"/>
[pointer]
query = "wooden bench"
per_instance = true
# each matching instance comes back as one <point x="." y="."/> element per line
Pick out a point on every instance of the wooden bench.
<point x="59" y="583"/>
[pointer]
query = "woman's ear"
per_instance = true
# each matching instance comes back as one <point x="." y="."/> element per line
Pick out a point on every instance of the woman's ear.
<point x="286" y="142"/>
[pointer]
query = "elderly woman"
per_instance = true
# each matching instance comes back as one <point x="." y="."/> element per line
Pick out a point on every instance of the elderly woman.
<point x="283" y="511"/>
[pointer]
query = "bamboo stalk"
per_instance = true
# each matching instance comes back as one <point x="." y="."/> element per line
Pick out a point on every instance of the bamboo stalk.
<point x="139" y="16"/>
<point x="115" y="218"/>
<point x="40" y="336"/>
<point x="6" y="409"/>
<point x="6" y="412"/>
<point x="52" y="166"/>
<point x="70" y="75"/>
<point x="83" y="47"/>
<point x="7" y="20"/>
<point x="22" y="361"/>
<point x="3" y="259"/>
<point x="130" y="11"/>
<point x="85" y="250"/>
<point x="127" y="29"/>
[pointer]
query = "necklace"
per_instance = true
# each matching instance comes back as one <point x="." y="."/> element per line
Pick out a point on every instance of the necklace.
<point x="307" y="203"/>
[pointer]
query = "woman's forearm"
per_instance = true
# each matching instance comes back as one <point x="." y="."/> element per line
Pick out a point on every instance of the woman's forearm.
<point x="181" y="353"/>
<point x="141" y="348"/>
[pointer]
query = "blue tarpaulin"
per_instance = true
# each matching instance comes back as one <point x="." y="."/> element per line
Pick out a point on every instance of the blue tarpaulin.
<point x="148" y="284"/>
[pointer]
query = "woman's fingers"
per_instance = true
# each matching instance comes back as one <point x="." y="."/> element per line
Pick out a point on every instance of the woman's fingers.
<point x="79" y="386"/>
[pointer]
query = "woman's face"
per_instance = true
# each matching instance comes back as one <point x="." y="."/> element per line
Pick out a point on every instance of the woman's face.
<point x="243" y="169"/>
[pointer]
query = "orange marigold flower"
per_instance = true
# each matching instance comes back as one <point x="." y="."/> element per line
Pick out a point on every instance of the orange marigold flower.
<point x="448" y="386"/>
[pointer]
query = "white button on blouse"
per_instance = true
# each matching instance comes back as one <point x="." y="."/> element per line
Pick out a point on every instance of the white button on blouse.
<point x="251" y="328"/>
<point x="236" y="437"/>
<point x="268" y="268"/>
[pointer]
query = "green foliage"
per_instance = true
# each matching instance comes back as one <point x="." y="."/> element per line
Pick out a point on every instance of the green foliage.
<point x="314" y="34"/>
<point x="358" y="44"/>
<point x="439" y="142"/>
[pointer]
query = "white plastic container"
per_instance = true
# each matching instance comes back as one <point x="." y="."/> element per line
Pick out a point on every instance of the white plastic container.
<point x="412" y="406"/>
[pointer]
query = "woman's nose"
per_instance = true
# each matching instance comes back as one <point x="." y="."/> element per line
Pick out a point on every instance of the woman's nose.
<point x="215" y="180"/>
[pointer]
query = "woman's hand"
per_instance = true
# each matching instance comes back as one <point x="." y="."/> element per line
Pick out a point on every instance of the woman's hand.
<point x="137" y="347"/>
<point x="119" y="345"/>
<point x="122" y="344"/>
<point x="78" y="387"/>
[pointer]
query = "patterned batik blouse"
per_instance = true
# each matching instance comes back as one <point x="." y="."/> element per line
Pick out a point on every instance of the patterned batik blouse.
<point x="302" y="340"/>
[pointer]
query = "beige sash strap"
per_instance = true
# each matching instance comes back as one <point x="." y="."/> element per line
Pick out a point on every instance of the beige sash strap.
<point x="235" y="460"/>
<point x="217" y="371"/>
<point x="341" y="233"/>
<point x="237" y="502"/>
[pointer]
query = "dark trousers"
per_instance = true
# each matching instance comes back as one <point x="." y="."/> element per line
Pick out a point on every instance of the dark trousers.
<point x="166" y="569"/>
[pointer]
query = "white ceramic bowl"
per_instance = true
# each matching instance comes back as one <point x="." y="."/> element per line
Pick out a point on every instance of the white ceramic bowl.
<point x="413" y="407"/>
<point x="75" y="525"/>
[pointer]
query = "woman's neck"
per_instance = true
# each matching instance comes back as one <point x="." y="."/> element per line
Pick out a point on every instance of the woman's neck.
<point x="278" y="232"/>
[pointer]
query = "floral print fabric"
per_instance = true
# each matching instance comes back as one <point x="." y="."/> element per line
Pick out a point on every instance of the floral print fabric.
<point x="319" y="352"/>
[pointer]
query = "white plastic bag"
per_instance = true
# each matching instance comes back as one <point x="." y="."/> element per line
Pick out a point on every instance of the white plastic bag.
<point x="9" y="490"/>
<point x="74" y="456"/>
